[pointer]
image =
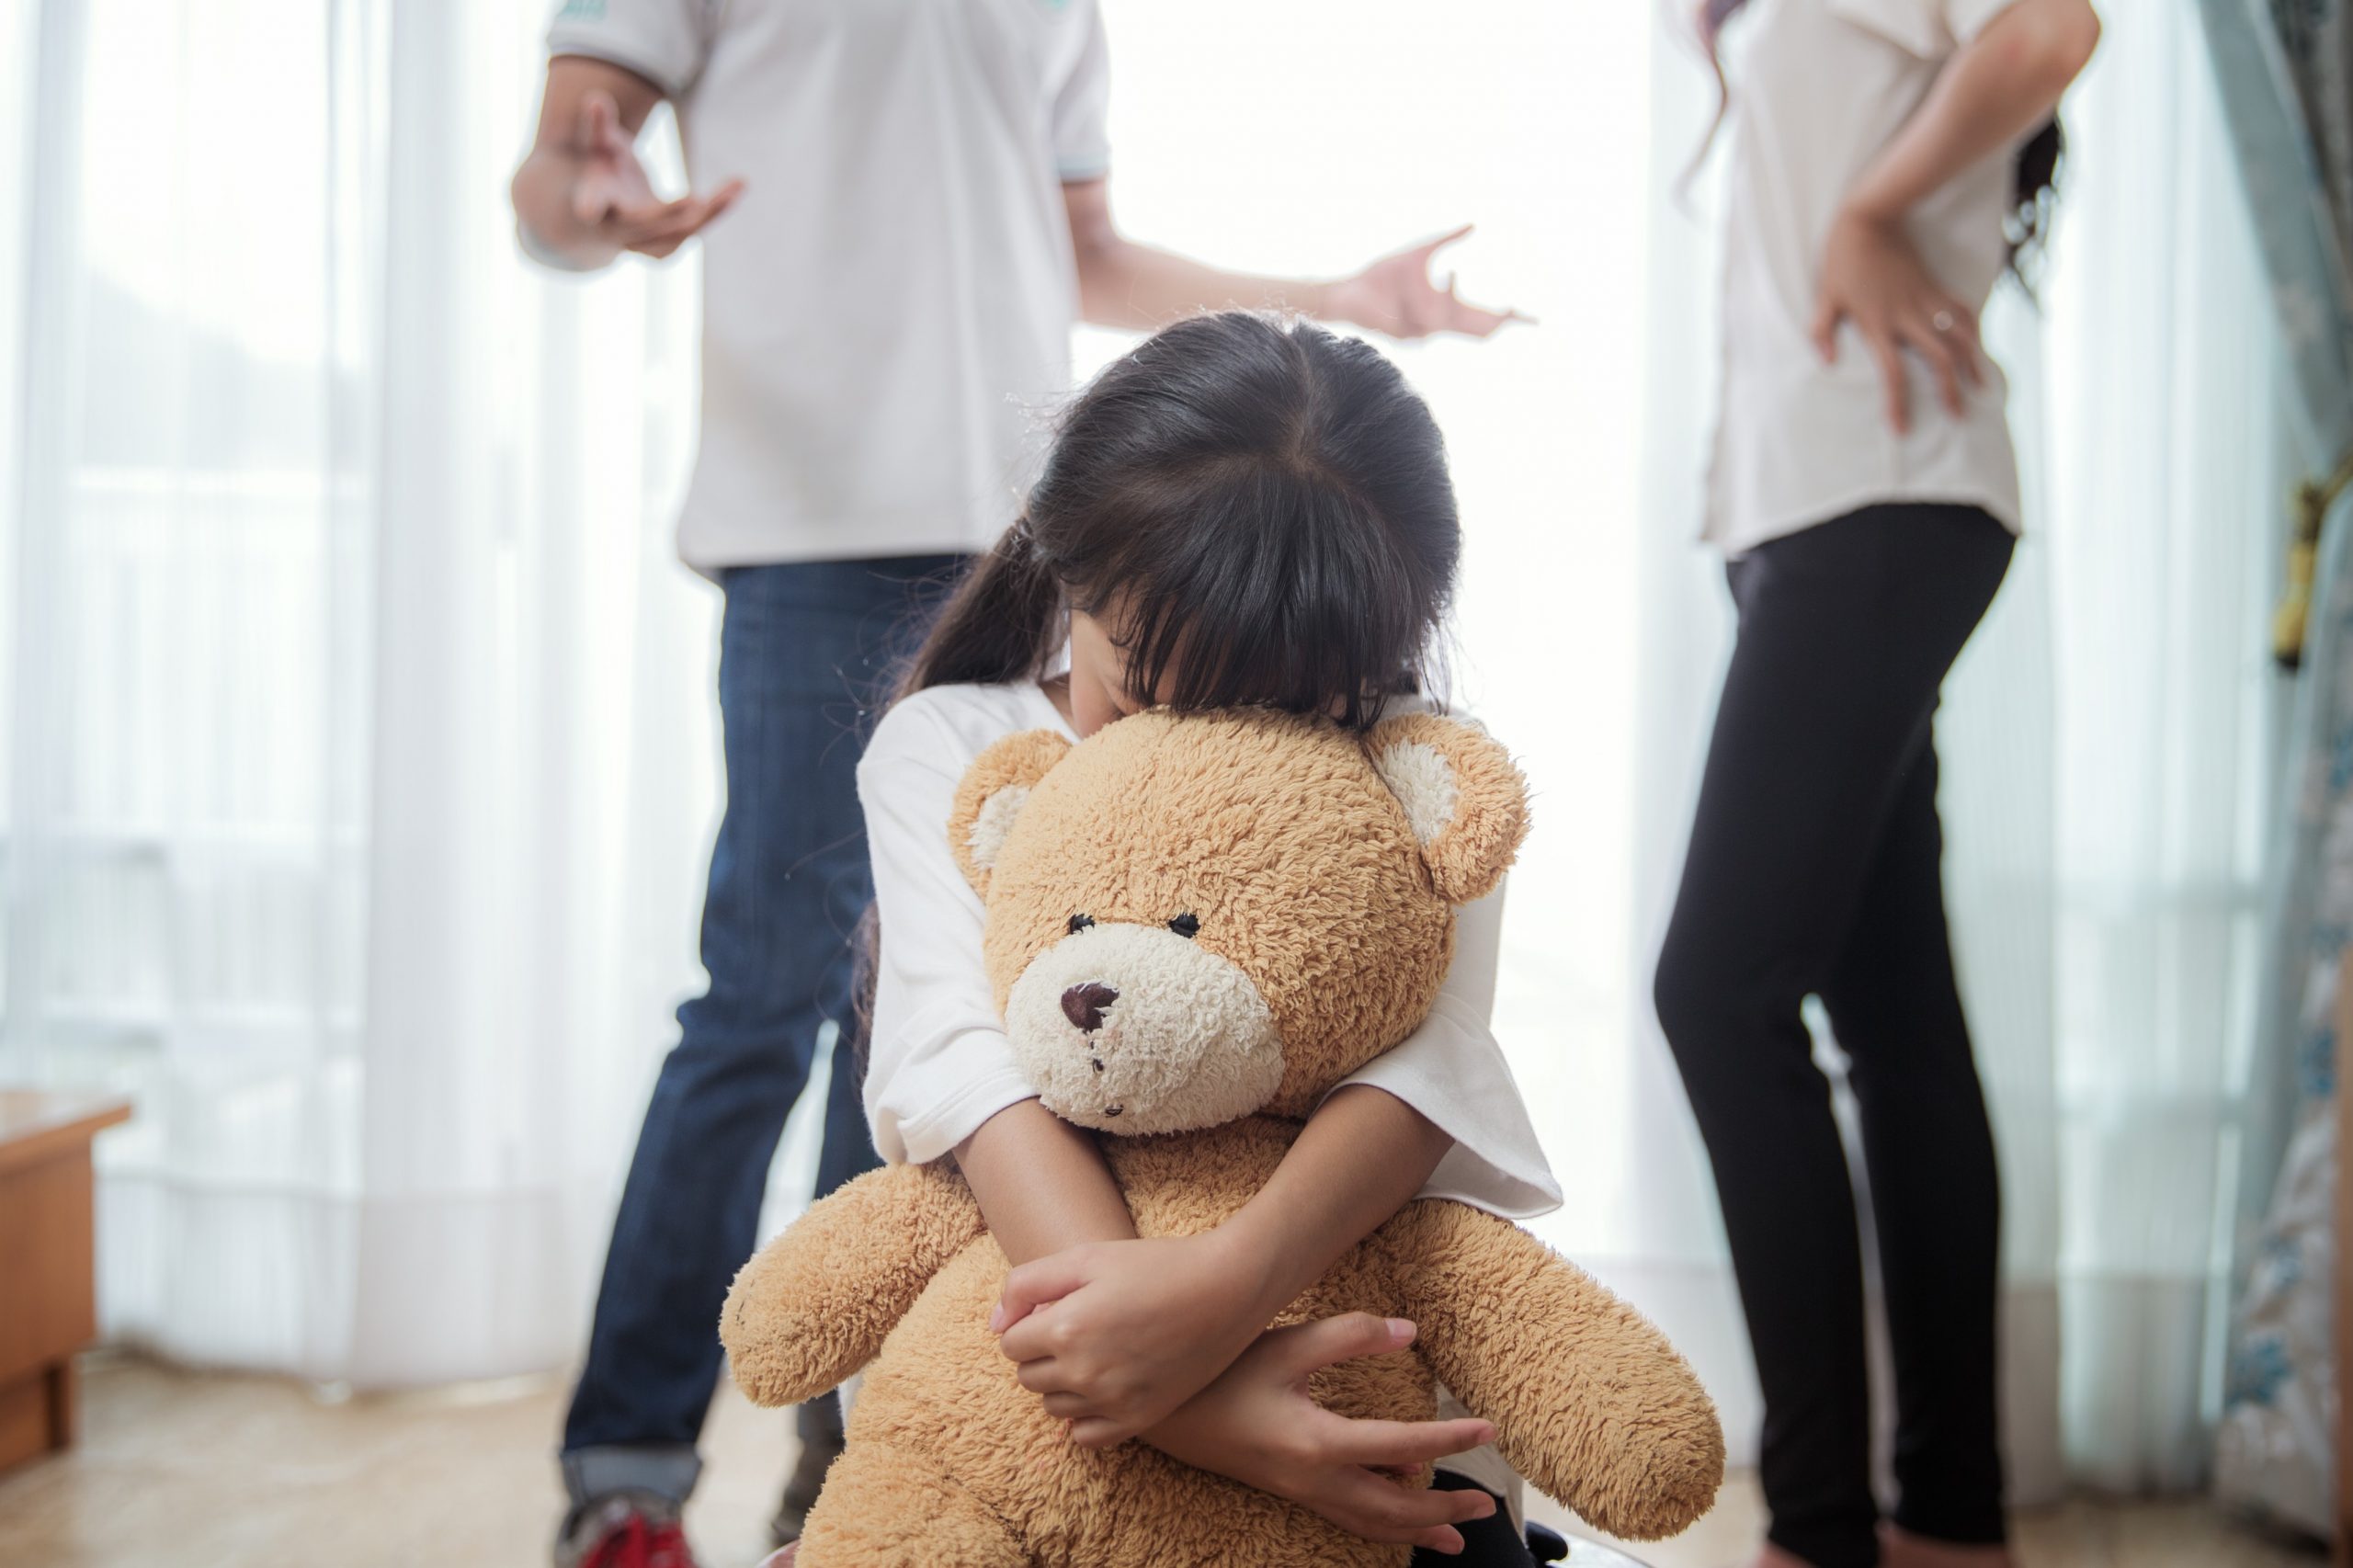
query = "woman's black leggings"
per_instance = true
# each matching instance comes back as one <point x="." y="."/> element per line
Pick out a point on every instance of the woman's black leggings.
<point x="1814" y="869"/>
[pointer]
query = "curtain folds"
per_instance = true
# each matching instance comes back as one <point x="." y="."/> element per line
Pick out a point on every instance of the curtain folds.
<point x="2279" y="1430"/>
<point x="2286" y="77"/>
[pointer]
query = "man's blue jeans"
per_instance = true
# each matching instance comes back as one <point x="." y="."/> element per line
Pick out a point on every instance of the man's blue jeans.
<point x="805" y="656"/>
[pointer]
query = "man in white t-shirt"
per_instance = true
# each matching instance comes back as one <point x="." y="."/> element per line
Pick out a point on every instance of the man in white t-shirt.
<point x="914" y="194"/>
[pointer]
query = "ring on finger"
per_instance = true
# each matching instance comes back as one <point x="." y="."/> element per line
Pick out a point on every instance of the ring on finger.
<point x="1941" y="321"/>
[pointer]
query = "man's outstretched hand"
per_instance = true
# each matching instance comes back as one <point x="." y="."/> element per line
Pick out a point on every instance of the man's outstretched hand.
<point x="1396" y="296"/>
<point x="612" y="198"/>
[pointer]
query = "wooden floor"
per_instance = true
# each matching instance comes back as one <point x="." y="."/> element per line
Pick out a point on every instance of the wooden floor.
<point x="195" y="1471"/>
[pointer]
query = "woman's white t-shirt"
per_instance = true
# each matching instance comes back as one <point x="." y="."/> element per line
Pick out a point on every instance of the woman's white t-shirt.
<point x="887" y="309"/>
<point x="1818" y="88"/>
<point x="938" y="1062"/>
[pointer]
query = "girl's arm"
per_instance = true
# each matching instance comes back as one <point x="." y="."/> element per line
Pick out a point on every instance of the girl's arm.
<point x="1133" y="1320"/>
<point x="1116" y="1333"/>
<point x="2003" y="82"/>
<point x="938" y="1067"/>
<point x="1041" y="1183"/>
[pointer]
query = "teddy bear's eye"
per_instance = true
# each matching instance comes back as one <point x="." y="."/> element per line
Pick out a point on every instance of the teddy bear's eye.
<point x="1186" y="925"/>
<point x="1079" y="922"/>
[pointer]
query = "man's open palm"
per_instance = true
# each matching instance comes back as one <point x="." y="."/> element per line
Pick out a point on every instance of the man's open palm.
<point x="613" y="196"/>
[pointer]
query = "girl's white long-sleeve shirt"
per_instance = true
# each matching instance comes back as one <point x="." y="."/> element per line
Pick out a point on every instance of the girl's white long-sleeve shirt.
<point x="938" y="1061"/>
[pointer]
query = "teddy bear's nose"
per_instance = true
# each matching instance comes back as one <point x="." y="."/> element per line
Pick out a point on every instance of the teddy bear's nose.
<point x="1084" y="1005"/>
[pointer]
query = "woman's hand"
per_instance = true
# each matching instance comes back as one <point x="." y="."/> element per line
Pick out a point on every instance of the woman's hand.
<point x="1117" y="1335"/>
<point x="1395" y="295"/>
<point x="1872" y="276"/>
<point x="1256" y="1425"/>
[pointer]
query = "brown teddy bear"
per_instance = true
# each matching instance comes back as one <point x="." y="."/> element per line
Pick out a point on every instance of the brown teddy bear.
<point x="1196" y="926"/>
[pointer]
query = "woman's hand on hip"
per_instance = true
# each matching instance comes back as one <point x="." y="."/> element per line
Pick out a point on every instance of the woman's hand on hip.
<point x="1117" y="1335"/>
<point x="1257" y="1423"/>
<point x="1872" y="275"/>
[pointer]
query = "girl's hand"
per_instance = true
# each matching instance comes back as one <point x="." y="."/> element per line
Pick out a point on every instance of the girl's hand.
<point x="1256" y="1425"/>
<point x="1872" y="276"/>
<point x="1117" y="1335"/>
<point x="1395" y="296"/>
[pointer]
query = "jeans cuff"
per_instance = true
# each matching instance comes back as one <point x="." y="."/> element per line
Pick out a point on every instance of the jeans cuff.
<point x="666" y="1470"/>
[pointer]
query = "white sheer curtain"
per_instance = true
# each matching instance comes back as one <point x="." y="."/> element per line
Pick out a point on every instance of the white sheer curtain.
<point x="2166" y="430"/>
<point x="358" y="739"/>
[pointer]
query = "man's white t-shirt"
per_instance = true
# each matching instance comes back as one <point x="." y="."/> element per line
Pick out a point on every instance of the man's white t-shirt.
<point x="1818" y="88"/>
<point x="940" y="1063"/>
<point x="887" y="309"/>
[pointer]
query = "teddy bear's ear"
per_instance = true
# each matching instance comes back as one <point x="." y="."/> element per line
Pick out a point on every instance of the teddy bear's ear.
<point x="992" y="795"/>
<point x="1467" y="803"/>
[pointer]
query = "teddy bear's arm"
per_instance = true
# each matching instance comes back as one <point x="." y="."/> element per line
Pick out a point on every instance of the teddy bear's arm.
<point x="815" y="1303"/>
<point x="1591" y="1404"/>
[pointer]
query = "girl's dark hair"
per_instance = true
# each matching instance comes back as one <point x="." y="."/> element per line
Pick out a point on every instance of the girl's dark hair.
<point x="2034" y="179"/>
<point x="1263" y="508"/>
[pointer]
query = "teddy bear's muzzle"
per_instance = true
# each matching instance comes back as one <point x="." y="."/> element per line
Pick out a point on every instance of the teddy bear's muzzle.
<point x="1137" y="1029"/>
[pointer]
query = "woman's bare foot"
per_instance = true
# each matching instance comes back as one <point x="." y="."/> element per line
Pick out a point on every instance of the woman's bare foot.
<point x="1902" y="1549"/>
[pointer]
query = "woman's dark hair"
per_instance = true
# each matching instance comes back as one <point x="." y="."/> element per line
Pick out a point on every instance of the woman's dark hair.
<point x="2034" y="179"/>
<point x="1263" y="508"/>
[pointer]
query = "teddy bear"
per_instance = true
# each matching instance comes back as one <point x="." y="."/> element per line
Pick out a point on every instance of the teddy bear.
<point x="1196" y="926"/>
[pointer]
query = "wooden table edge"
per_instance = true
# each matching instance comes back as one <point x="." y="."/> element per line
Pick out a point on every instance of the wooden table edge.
<point x="46" y="1141"/>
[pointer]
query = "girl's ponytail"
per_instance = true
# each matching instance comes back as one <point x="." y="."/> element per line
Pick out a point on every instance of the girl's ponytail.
<point x="1001" y="623"/>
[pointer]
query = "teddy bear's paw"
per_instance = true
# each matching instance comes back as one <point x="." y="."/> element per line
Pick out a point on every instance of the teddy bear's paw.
<point x="1662" y="1478"/>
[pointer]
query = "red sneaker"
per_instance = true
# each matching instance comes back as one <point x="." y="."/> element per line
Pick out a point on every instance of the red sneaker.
<point x="626" y="1531"/>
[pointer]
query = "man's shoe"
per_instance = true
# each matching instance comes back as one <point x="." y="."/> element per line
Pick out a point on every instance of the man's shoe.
<point x="625" y="1530"/>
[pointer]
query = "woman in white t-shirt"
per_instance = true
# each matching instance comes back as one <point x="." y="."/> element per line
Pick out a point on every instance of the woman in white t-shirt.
<point x="1240" y="511"/>
<point x="1888" y="156"/>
